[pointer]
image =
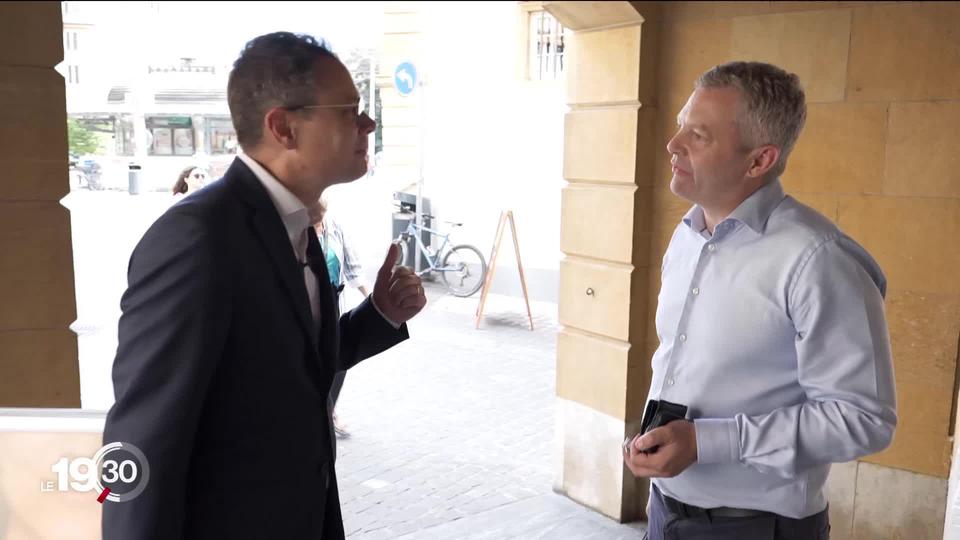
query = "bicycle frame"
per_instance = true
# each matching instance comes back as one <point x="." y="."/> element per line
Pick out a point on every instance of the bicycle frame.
<point x="412" y="230"/>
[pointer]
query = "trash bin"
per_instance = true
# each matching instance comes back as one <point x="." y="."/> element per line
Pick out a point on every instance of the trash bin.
<point x="133" y="177"/>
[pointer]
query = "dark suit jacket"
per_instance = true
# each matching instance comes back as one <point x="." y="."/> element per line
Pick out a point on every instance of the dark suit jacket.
<point x="221" y="378"/>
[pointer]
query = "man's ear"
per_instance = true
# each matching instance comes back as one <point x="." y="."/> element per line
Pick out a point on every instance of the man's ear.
<point x="762" y="160"/>
<point x="278" y="127"/>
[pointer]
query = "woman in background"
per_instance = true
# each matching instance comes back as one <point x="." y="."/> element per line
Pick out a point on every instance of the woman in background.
<point x="191" y="179"/>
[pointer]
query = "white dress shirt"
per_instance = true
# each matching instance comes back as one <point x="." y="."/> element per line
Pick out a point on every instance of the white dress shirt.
<point x="772" y="332"/>
<point x="296" y="219"/>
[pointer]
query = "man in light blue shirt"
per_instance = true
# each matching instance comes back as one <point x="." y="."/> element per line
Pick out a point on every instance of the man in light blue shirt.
<point x="771" y="328"/>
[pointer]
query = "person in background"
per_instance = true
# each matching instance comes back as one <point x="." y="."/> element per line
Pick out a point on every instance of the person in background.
<point x="344" y="267"/>
<point x="191" y="179"/>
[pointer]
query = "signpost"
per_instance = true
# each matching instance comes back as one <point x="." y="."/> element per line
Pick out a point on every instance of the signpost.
<point x="406" y="80"/>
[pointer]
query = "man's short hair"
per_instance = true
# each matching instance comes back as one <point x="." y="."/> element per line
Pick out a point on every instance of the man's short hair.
<point x="277" y="69"/>
<point x="775" y="107"/>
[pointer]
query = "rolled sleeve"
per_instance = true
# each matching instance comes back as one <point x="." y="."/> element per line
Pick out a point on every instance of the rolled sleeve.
<point x="718" y="440"/>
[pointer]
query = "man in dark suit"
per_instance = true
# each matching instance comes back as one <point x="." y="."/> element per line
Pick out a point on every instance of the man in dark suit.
<point x="230" y="334"/>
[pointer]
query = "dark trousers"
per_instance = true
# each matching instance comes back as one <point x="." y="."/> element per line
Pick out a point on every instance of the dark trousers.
<point x="666" y="524"/>
<point x="335" y="388"/>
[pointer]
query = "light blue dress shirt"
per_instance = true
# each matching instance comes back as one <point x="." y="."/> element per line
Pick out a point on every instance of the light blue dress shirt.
<point x="772" y="332"/>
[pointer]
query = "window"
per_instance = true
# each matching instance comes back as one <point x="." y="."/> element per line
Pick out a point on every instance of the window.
<point x="172" y="135"/>
<point x="73" y="74"/>
<point x="70" y="40"/>
<point x="221" y="136"/>
<point x="545" y="46"/>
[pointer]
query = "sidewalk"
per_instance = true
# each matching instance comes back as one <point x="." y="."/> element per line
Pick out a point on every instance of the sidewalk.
<point x="452" y="431"/>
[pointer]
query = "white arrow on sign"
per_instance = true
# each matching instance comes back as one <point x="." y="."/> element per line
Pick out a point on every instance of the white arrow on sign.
<point x="404" y="76"/>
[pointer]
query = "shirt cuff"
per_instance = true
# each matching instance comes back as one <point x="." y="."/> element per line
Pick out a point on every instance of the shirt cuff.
<point x="396" y="326"/>
<point x="718" y="440"/>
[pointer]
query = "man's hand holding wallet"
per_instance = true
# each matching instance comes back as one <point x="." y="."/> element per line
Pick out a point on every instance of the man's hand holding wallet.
<point x="666" y="444"/>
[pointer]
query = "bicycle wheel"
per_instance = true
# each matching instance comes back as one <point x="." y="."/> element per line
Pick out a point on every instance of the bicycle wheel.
<point x="463" y="270"/>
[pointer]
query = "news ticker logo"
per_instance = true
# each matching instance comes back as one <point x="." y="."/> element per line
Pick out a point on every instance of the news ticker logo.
<point x="118" y="472"/>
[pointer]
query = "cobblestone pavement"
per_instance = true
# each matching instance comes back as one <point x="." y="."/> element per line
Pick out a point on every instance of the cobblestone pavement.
<point x="452" y="431"/>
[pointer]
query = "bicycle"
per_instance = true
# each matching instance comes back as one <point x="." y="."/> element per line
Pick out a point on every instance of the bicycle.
<point x="462" y="267"/>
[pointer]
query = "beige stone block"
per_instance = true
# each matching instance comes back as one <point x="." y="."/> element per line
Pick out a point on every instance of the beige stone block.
<point x="596" y="297"/>
<point x="653" y="295"/>
<point x="581" y="16"/>
<point x="649" y="149"/>
<point x="714" y="10"/>
<point x="400" y="117"/>
<point x="841" y="493"/>
<point x="581" y="233"/>
<point x="33" y="108"/>
<point x="688" y="49"/>
<point x="593" y="471"/>
<point x="898" y="504"/>
<point x="592" y="370"/>
<point x="783" y="7"/>
<point x="824" y="203"/>
<point x="36" y="274"/>
<point x="401" y="23"/>
<point x="668" y="209"/>
<point x="905" y="51"/>
<point x="812" y="44"/>
<point x="839" y="151"/>
<point x="39" y="368"/>
<point x="639" y="375"/>
<point x="604" y="66"/>
<point x="920" y="443"/>
<point x="600" y="145"/>
<point x="35" y="179"/>
<point x="31" y="34"/>
<point x="921" y="156"/>
<point x="29" y="513"/>
<point x="909" y="237"/>
<point x="923" y="335"/>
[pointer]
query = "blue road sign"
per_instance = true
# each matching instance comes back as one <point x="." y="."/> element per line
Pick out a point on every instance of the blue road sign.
<point x="405" y="78"/>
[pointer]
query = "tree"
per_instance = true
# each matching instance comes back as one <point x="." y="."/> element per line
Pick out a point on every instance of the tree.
<point x="81" y="140"/>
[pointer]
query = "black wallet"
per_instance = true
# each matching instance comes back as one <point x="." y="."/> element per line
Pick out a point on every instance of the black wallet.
<point x="660" y="413"/>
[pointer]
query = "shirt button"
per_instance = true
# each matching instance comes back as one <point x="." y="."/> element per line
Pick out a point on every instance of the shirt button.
<point x="683" y="337"/>
<point x="669" y="382"/>
<point x="712" y="247"/>
<point x="696" y="291"/>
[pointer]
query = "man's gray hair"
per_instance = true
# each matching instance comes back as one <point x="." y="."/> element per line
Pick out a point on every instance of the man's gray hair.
<point x="774" y="105"/>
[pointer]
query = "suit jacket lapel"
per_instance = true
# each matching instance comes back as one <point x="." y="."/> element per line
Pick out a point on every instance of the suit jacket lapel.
<point x="273" y="238"/>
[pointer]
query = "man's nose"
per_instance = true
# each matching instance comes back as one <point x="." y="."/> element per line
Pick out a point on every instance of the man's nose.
<point x="672" y="146"/>
<point x="367" y="124"/>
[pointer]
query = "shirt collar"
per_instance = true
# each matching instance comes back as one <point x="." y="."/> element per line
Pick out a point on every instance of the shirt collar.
<point x="292" y="211"/>
<point x="752" y="212"/>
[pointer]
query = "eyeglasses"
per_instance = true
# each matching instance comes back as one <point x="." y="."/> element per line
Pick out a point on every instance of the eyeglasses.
<point x="356" y="106"/>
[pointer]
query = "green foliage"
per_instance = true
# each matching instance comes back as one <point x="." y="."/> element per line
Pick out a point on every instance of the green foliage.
<point x="81" y="140"/>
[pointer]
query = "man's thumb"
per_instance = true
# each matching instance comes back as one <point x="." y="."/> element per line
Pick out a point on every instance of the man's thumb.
<point x="654" y="437"/>
<point x="387" y="269"/>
